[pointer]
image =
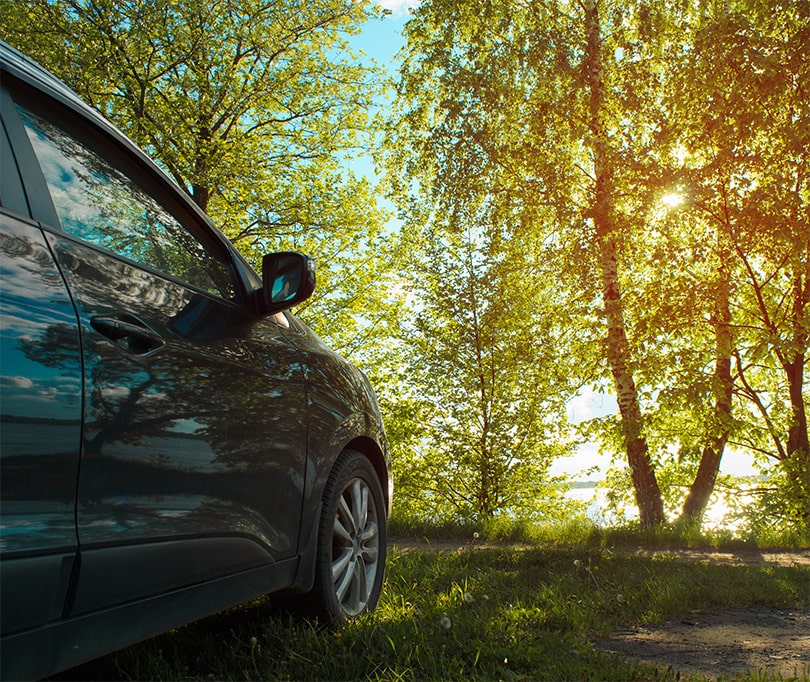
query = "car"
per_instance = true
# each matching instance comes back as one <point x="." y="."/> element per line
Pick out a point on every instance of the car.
<point x="173" y="440"/>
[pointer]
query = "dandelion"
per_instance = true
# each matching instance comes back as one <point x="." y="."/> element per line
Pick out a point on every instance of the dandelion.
<point x="445" y="622"/>
<point x="485" y="597"/>
<point x="255" y="649"/>
<point x="468" y="598"/>
<point x="620" y="598"/>
<point x="476" y="536"/>
<point x="577" y="563"/>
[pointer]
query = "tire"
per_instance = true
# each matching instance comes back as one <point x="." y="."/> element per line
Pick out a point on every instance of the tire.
<point x="352" y="537"/>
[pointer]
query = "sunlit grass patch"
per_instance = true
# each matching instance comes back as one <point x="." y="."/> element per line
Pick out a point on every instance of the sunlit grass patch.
<point x="473" y="610"/>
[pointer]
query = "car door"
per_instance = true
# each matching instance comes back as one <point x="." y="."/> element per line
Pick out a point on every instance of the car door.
<point x="193" y="448"/>
<point x="40" y="412"/>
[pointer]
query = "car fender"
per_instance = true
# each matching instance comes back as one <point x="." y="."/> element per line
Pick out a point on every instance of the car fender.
<point x="342" y="414"/>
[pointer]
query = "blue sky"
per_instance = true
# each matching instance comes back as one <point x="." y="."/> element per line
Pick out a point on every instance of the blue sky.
<point x="379" y="42"/>
<point x="381" y="39"/>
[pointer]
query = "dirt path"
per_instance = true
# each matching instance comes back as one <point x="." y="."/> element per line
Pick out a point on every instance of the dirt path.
<point x="729" y="641"/>
<point x="748" y="557"/>
<point x="724" y="643"/>
<point x="721" y="643"/>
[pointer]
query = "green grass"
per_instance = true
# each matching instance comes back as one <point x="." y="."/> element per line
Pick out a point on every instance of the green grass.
<point x="583" y="531"/>
<point x="532" y="610"/>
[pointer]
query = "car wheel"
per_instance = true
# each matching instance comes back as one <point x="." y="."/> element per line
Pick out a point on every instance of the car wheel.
<point x="351" y="540"/>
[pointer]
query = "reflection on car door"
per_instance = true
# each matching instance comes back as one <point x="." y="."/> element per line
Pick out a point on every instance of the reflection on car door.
<point x="193" y="460"/>
<point x="40" y="415"/>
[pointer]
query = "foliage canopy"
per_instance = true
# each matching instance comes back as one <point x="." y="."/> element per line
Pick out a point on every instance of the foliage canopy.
<point x="567" y="125"/>
<point x="595" y="195"/>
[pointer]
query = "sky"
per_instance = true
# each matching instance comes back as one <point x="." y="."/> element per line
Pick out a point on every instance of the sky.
<point x="380" y="40"/>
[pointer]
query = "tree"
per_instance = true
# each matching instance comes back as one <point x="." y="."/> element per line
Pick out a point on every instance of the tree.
<point x="487" y="369"/>
<point x="516" y="102"/>
<point x="740" y="98"/>
<point x="556" y="110"/>
<point x="604" y="206"/>
<point x="252" y="107"/>
<point x="224" y="95"/>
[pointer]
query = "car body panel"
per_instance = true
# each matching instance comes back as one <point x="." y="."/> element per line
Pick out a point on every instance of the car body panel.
<point x="40" y="428"/>
<point x="200" y="436"/>
<point x="41" y="410"/>
<point x="66" y="642"/>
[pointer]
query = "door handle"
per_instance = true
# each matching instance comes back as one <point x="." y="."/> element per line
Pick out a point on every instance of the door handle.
<point x="129" y="333"/>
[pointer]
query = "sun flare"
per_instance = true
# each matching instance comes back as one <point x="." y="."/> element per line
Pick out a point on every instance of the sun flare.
<point x="672" y="199"/>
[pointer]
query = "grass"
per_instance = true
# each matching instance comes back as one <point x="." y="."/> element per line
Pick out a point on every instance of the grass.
<point x="532" y="610"/>
<point x="582" y="531"/>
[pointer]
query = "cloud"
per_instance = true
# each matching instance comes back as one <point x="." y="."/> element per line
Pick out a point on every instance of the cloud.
<point x="17" y="382"/>
<point x="398" y="6"/>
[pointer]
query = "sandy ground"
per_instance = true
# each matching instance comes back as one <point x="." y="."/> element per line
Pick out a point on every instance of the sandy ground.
<point x="720" y="643"/>
<point x="723" y="643"/>
<point x="731" y="640"/>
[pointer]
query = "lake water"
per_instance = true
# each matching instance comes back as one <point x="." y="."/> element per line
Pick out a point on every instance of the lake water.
<point x="597" y="507"/>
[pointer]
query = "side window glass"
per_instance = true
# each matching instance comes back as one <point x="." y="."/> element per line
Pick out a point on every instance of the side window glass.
<point x="99" y="204"/>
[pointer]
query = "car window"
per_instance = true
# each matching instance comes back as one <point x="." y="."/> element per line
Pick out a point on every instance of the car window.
<point x="100" y="204"/>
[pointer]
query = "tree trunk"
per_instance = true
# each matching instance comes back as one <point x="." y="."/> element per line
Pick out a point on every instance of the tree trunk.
<point x="703" y="486"/>
<point x="797" y="434"/>
<point x="695" y="505"/>
<point x="645" y="484"/>
<point x="648" y="494"/>
<point x="201" y="195"/>
<point x="798" y="445"/>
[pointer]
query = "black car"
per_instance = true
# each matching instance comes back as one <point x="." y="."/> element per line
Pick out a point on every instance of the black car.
<point x="173" y="440"/>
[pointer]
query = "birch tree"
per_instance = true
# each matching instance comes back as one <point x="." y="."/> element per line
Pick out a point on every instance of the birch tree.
<point x="504" y="100"/>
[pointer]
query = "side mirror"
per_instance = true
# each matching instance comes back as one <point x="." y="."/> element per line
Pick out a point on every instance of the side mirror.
<point x="287" y="279"/>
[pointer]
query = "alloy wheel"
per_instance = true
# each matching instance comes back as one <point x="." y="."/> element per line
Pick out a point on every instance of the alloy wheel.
<point x="355" y="547"/>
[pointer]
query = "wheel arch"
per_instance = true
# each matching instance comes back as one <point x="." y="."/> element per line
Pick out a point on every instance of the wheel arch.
<point x="377" y="455"/>
<point x="372" y="450"/>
